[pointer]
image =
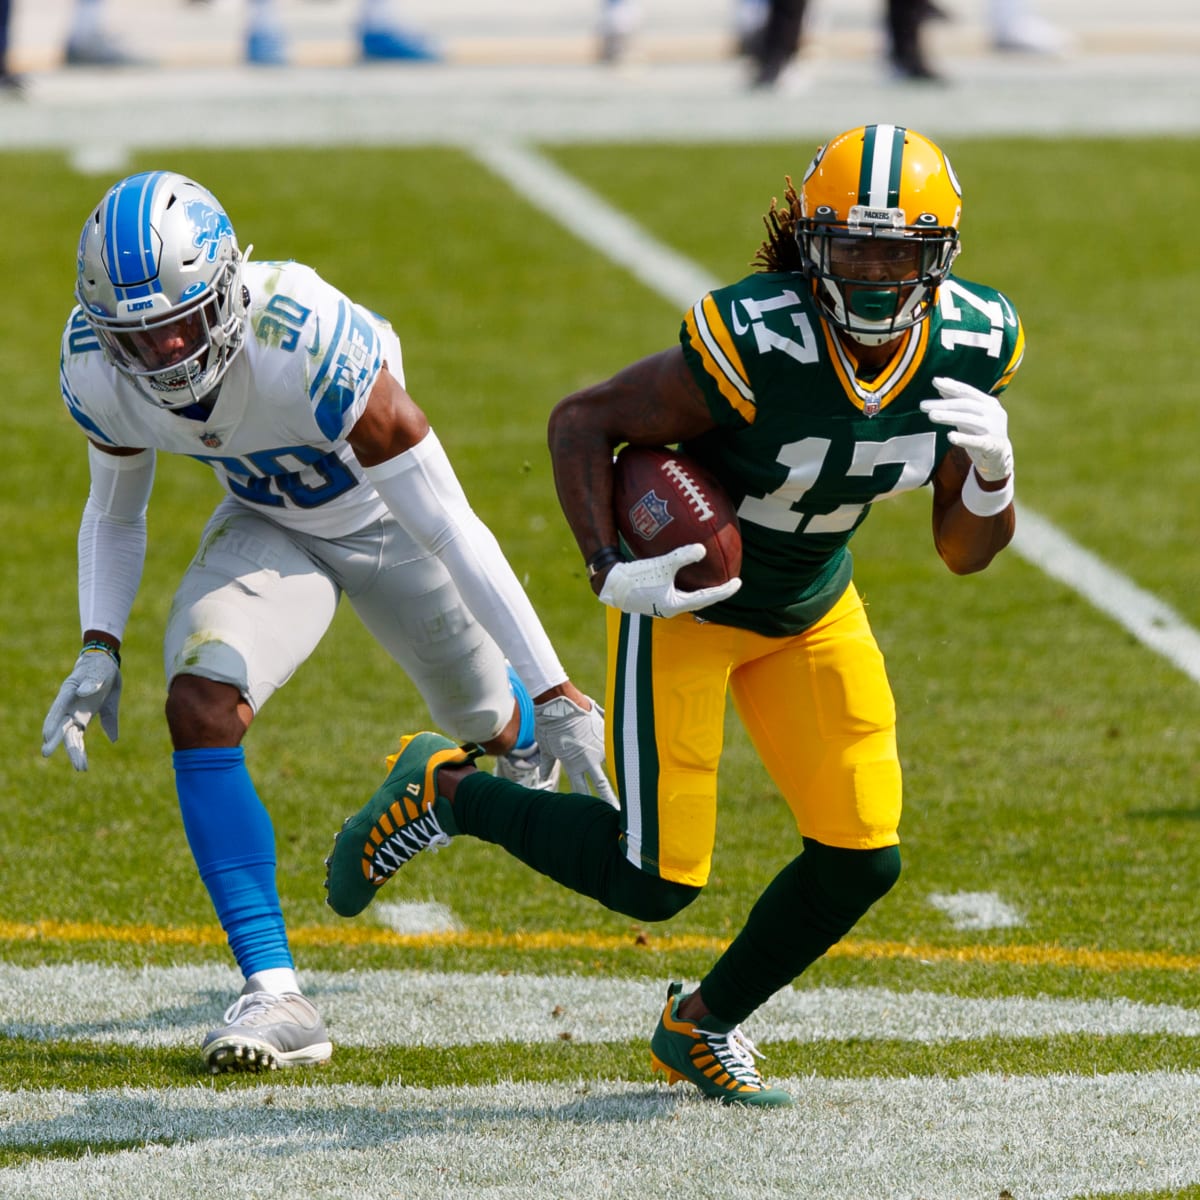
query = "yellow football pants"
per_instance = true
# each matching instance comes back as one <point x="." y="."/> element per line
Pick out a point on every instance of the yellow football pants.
<point x="817" y="706"/>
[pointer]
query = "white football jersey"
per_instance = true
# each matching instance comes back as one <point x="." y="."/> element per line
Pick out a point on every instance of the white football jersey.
<point x="276" y="436"/>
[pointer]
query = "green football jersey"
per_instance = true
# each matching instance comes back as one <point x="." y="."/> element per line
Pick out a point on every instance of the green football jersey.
<point x="804" y="447"/>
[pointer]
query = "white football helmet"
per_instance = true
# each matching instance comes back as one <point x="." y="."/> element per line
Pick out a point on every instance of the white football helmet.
<point x="159" y="279"/>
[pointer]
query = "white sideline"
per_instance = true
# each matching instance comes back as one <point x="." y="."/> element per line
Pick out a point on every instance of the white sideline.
<point x="971" y="1138"/>
<point x="681" y="282"/>
<point x="176" y="1006"/>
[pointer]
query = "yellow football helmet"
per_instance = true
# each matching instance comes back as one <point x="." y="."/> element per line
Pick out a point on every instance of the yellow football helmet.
<point x="878" y="181"/>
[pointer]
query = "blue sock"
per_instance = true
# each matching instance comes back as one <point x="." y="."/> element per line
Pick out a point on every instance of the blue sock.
<point x="233" y="843"/>
<point x="525" y="737"/>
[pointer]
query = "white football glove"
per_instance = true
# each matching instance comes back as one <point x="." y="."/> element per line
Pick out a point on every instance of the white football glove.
<point x="94" y="686"/>
<point x="575" y="736"/>
<point x="980" y="426"/>
<point x="647" y="585"/>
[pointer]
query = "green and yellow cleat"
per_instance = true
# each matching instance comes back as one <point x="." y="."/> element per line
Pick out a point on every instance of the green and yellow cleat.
<point x="721" y="1065"/>
<point x="404" y="817"/>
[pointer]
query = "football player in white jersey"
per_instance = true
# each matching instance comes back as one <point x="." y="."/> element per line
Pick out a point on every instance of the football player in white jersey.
<point x="334" y="482"/>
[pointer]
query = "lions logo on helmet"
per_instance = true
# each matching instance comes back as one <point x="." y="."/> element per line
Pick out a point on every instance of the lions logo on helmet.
<point x="878" y="182"/>
<point x="159" y="280"/>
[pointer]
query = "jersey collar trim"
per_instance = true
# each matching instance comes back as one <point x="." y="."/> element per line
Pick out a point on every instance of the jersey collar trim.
<point x="874" y="396"/>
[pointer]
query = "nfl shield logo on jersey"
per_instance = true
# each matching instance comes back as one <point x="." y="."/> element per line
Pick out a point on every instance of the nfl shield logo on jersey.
<point x="211" y="440"/>
<point x="650" y="515"/>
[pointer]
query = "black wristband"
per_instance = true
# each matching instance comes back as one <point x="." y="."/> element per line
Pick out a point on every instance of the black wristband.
<point x="604" y="557"/>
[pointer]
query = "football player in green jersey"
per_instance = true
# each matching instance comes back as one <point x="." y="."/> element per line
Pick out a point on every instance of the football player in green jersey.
<point x="852" y="367"/>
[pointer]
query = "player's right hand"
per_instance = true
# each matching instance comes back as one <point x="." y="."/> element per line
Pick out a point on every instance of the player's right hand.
<point x="647" y="585"/>
<point x="94" y="686"/>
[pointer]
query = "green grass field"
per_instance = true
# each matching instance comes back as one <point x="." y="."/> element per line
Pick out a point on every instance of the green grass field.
<point x="1050" y="758"/>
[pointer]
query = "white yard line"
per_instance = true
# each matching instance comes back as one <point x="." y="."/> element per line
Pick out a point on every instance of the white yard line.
<point x="1152" y="622"/>
<point x="595" y="222"/>
<point x="682" y="282"/>
<point x="175" y="1006"/>
<point x="939" y="1139"/>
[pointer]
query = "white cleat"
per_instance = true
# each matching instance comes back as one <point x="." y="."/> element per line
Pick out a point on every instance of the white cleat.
<point x="263" y="1031"/>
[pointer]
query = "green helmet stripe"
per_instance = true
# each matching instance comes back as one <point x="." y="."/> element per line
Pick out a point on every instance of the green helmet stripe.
<point x="868" y="157"/>
<point x="879" y="178"/>
<point x="893" y="198"/>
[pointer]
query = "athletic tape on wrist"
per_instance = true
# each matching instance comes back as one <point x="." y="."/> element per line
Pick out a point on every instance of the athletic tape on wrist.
<point x="985" y="504"/>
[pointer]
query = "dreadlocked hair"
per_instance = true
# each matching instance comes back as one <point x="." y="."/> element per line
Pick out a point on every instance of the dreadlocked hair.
<point x="780" y="251"/>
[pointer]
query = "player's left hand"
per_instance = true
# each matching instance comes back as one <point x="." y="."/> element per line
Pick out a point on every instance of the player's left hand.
<point x="575" y="736"/>
<point x="980" y="426"/>
<point x="647" y="585"/>
<point x="94" y="686"/>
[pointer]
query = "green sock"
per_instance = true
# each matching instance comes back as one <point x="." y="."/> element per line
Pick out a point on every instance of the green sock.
<point x="811" y="904"/>
<point x="573" y="839"/>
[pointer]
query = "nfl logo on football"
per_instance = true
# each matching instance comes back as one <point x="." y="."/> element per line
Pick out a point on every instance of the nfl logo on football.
<point x="650" y="515"/>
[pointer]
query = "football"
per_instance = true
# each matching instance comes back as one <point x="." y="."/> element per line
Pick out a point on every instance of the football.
<point x="662" y="500"/>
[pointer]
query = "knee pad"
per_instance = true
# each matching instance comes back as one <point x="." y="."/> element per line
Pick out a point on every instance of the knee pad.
<point x="647" y="897"/>
<point x="853" y="879"/>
